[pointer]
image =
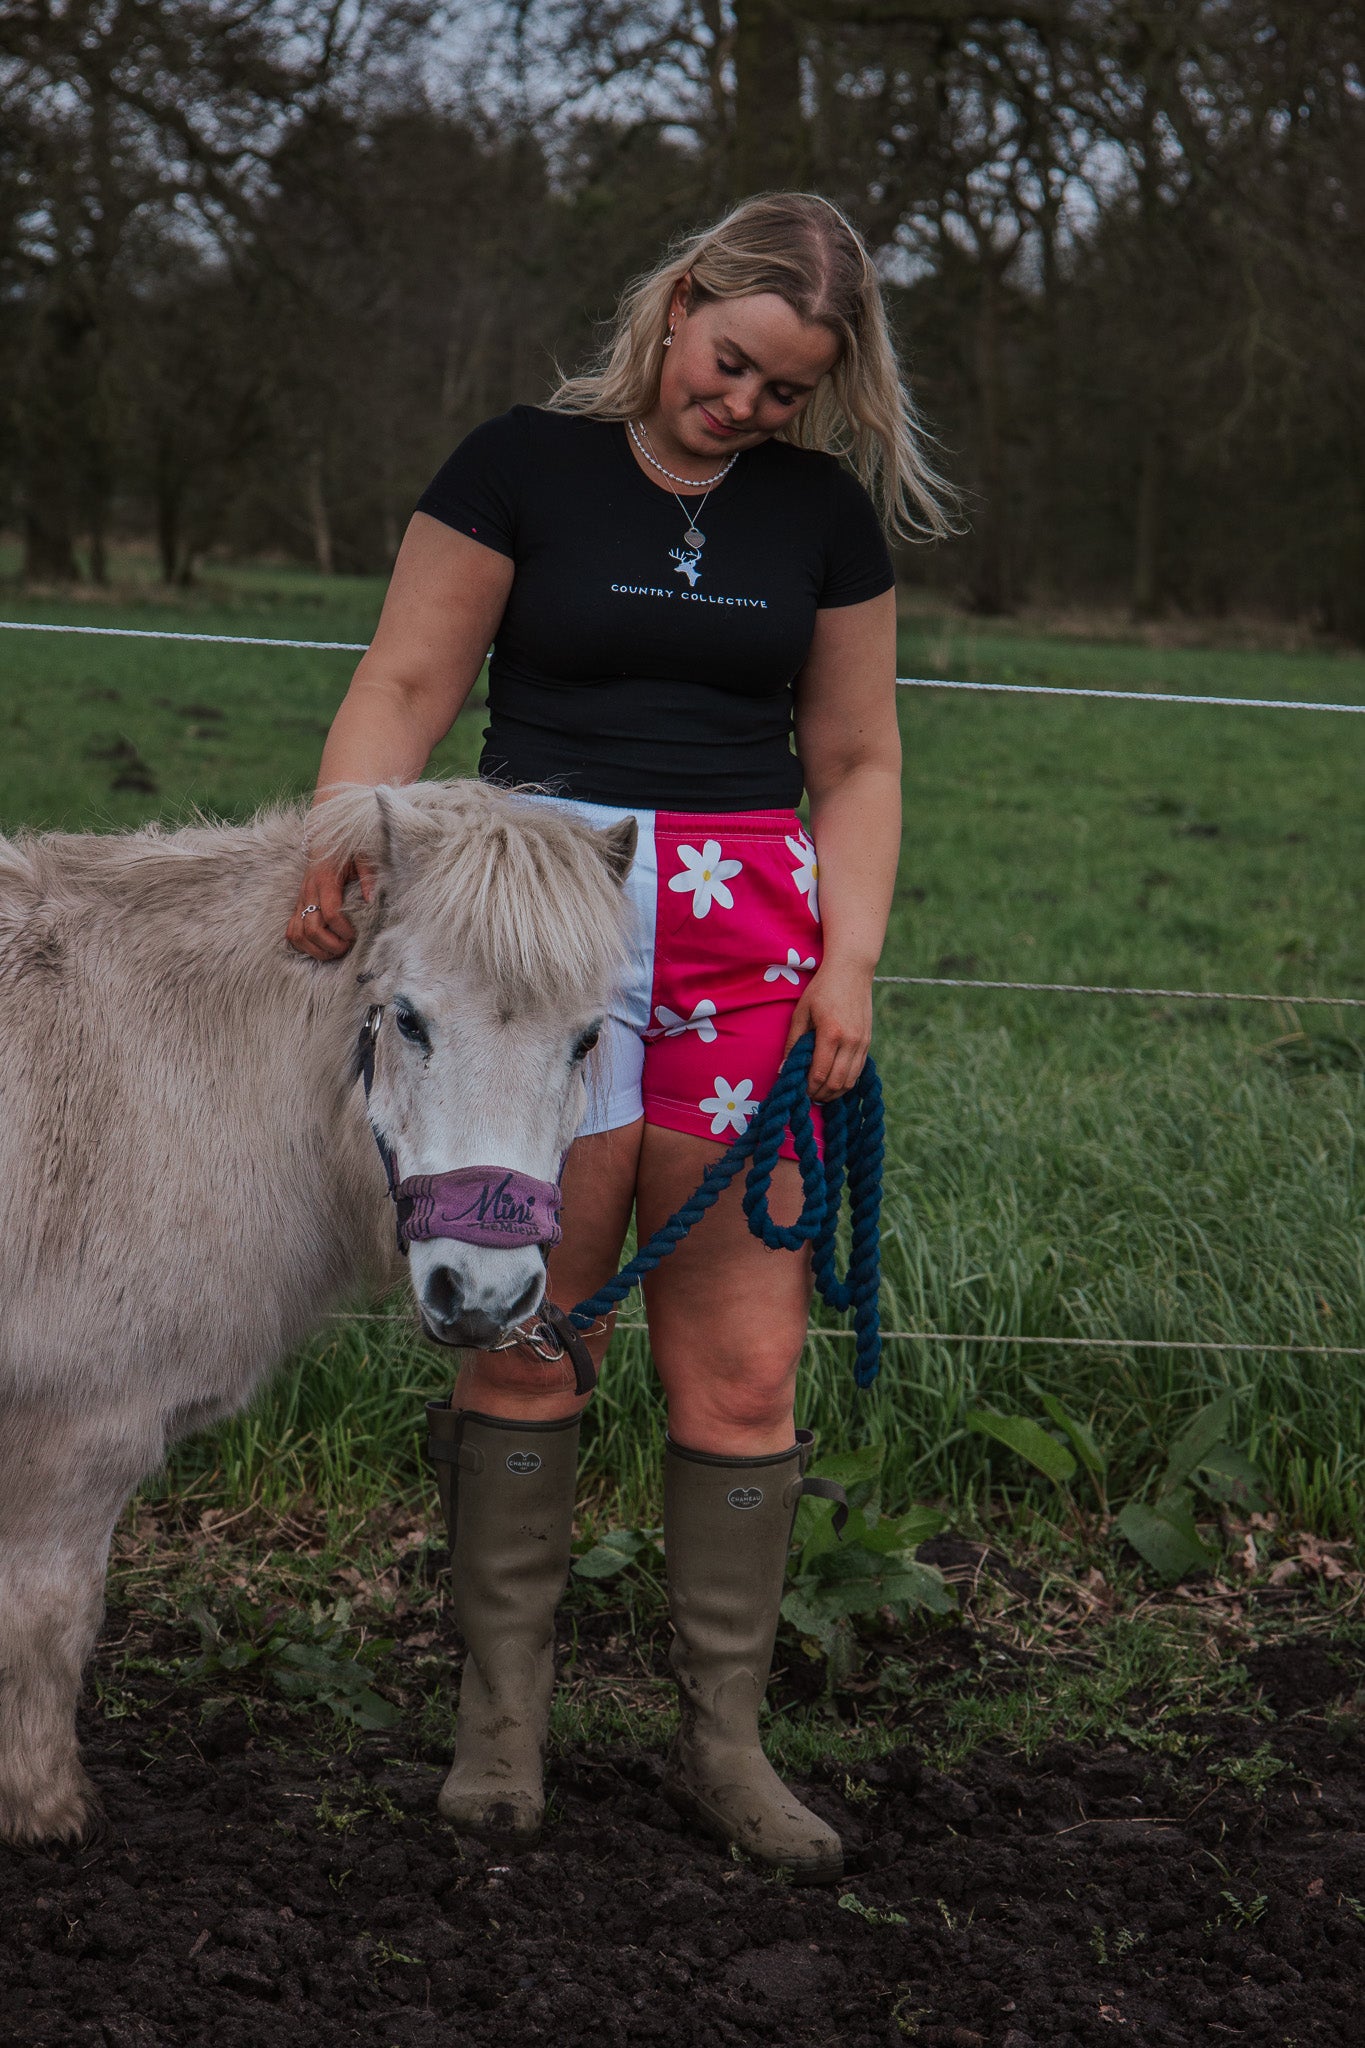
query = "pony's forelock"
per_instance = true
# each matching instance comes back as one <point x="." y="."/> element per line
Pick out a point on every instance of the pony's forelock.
<point x="523" y="889"/>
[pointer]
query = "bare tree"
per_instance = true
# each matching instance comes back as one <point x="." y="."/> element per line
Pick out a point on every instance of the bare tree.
<point x="120" y="113"/>
<point x="261" y="263"/>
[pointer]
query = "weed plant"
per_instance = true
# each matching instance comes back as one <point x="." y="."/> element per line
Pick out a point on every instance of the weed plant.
<point x="1060" y="1166"/>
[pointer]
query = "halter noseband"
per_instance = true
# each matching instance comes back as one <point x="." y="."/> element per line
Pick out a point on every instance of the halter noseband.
<point x="483" y="1205"/>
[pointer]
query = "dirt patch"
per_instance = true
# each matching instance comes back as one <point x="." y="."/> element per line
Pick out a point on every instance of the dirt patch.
<point x="262" y="1883"/>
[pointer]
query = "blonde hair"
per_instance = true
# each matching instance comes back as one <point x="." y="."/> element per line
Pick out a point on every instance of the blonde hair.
<point x="800" y="247"/>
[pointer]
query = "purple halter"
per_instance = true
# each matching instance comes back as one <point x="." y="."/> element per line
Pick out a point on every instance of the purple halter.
<point x="483" y="1205"/>
<point x="478" y="1205"/>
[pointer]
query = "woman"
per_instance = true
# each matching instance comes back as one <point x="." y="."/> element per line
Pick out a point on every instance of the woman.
<point x="676" y="580"/>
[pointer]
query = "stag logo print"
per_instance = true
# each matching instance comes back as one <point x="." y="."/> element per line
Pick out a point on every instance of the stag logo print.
<point x="523" y="1462"/>
<point x="744" y="1497"/>
<point x="689" y="564"/>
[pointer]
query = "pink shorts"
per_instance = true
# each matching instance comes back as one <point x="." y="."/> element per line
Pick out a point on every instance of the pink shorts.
<point x="727" y="936"/>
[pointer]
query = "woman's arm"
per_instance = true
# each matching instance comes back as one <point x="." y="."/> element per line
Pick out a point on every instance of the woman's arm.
<point x="849" y="743"/>
<point x="443" y="606"/>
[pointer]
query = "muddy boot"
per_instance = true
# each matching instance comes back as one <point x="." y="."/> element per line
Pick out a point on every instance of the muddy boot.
<point x="507" y="1489"/>
<point x="727" y="1527"/>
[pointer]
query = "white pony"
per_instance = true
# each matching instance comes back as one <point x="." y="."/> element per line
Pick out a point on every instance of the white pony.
<point x="188" y="1183"/>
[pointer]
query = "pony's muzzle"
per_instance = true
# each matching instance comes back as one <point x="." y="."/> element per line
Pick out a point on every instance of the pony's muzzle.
<point x="474" y="1307"/>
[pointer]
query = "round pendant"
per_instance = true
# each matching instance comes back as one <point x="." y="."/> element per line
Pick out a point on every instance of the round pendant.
<point x="694" y="539"/>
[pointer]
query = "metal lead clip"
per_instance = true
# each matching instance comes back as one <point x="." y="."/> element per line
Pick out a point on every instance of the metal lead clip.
<point x="550" y="1336"/>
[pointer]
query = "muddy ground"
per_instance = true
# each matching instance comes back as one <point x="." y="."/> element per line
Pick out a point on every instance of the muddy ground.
<point x="269" y="1878"/>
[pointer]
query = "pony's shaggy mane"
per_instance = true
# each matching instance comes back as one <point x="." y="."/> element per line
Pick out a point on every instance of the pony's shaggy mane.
<point x="526" y="889"/>
<point x="528" y="892"/>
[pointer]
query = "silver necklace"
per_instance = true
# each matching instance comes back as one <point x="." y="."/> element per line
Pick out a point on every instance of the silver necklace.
<point x="694" y="537"/>
<point x="696" y="482"/>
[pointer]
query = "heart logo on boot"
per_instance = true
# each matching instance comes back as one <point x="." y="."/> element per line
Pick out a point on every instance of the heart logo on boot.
<point x="523" y="1461"/>
<point x="745" y="1497"/>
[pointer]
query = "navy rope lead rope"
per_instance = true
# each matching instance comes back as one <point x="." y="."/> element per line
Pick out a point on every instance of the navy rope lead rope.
<point x="855" y="1142"/>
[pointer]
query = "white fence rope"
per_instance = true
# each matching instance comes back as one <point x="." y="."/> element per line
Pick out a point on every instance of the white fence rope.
<point x="1091" y="1343"/>
<point x="1060" y="988"/>
<point x="981" y="1337"/>
<point x="211" y="639"/>
<point x="1129" y="696"/>
<point x="905" y="682"/>
<point x="1180" y="995"/>
<point x="1085" y="988"/>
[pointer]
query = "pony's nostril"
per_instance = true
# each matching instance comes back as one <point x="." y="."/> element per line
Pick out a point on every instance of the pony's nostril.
<point x="528" y="1301"/>
<point x="450" y="1318"/>
<point x="443" y="1294"/>
<point x="453" y="1317"/>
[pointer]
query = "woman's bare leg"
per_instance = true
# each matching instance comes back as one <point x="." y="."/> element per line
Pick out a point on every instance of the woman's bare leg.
<point x="508" y="1453"/>
<point x="727" y="1321"/>
<point x="599" y="1193"/>
<point x="727" y="1316"/>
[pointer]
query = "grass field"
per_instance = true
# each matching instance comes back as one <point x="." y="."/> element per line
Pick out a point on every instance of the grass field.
<point x="1060" y="1166"/>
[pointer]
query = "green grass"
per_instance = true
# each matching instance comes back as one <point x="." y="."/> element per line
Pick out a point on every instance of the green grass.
<point x="1059" y="1165"/>
<point x="1140" y="1680"/>
<point x="68" y="705"/>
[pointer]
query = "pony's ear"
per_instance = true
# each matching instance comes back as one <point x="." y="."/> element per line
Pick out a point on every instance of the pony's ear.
<point x="618" y="844"/>
<point x="355" y="823"/>
<point x="383" y="854"/>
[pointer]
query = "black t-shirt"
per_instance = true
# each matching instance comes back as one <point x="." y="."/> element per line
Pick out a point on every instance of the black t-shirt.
<point x="630" y="668"/>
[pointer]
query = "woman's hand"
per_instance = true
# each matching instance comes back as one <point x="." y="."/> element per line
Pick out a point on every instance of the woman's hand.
<point x="444" y="604"/>
<point x="837" y="1006"/>
<point x="325" y="932"/>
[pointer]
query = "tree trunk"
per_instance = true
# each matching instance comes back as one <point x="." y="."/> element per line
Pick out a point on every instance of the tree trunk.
<point x="318" y="515"/>
<point x="168" y="501"/>
<point x="51" y="417"/>
<point x="770" y="147"/>
<point x="99" y="466"/>
<point x="49" y="551"/>
<point x="990" y="591"/>
<point x="101" y="492"/>
<point x="1048" y="461"/>
<point x="1148" y="595"/>
<point x="49" y="538"/>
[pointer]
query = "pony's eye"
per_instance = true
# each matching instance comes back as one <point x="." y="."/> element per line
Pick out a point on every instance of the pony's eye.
<point x="586" y="1043"/>
<point x="410" y="1026"/>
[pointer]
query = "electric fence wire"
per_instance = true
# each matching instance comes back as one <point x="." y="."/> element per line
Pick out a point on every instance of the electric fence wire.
<point x="905" y="682"/>
<point x="1175" y="995"/>
<point x="1261" y="1347"/>
<point x="1086" y="988"/>
<point x="206" y="639"/>
<point x="1130" y="696"/>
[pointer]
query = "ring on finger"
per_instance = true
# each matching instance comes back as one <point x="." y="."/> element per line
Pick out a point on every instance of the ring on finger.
<point x="310" y="910"/>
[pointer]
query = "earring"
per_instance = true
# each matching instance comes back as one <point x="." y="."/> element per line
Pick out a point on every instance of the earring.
<point x="668" y="339"/>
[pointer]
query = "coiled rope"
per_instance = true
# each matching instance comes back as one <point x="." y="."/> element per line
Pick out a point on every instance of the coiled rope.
<point x="855" y="1143"/>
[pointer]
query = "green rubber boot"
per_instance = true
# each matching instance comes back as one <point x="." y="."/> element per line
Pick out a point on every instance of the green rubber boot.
<point x="507" y="1489"/>
<point x="727" y="1529"/>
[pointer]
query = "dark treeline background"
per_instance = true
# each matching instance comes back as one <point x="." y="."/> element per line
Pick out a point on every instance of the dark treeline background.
<point x="262" y="262"/>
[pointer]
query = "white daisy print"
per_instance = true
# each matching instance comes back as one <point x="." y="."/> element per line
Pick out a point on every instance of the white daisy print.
<point x="807" y="875"/>
<point x="700" y="1021"/>
<point x="729" y="1108"/>
<point x="793" y="970"/>
<point x="706" y="875"/>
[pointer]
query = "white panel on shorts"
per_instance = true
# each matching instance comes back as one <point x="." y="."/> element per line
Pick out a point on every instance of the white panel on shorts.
<point x="615" y="1067"/>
